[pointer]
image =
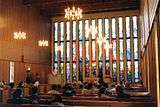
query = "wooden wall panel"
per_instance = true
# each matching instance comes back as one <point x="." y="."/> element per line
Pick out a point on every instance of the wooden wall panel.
<point x="15" y="16"/>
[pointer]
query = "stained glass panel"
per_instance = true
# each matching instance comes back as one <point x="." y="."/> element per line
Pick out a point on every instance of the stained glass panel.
<point x="68" y="53"/>
<point x="61" y="68"/>
<point x="67" y="72"/>
<point x="74" y="72"/>
<point x="121" y="48"/>
<point x="80" y="30"/>
<point x="107" y="49"/>
<point x="99" y="27"/>
<point x="56" y="52"/>
<point x="107" y="68"/>
<point x="93" y="69"/>
<point x="86" y="29"/>
<point x="62" y="54"/>
<point x="74" y="30"/>
<point x="114" y="71"/>
<point x="129" y="75"/>
<point x="114" y="49"/>
<point x="121" y="71"/>
<point x="135" y="26"/>
<point x="87" y="50"/>
<point x="74" y="51"/>
<point x="93" y="29"/>
<point x="128" y="49"/>
<point x="136" y="74"/>
<point x="127" y="26"/>
<point x="107" y="28"/>
<point x="136" y="48"/>
<point x="120" y="27"/>
<point x="56" y="32"/>
<point x="113" y="28"/>
<point x="62" y="31"/>
<point x="68" y="31"/>
<point x="93" y="50"/>
<point x="80" y="50"/>
<point x="55" y="68"/>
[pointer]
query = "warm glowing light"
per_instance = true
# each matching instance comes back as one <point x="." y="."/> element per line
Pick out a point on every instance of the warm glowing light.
<point x="19" y="35"/>
<point x="59" y="48"/>
<point x="43" y="43"/>
<point x="73" y="13"/>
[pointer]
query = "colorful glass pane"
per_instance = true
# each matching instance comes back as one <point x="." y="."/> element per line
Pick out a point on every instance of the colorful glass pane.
<point x="74" y="72"/>
<point x="55" y="68"/>
<point x="107" y="28"/>
<point x="74" y="51"/>
<point x="74" y="30"/>
<point x="129" y="75"/>
<point x="62" y="54"/>
<point x="121" y="48"/>
<point x="93" y="50"/>
<point x="136" y="48"/>
<point x="62" y="31"/>
<point x="120" y="27"/>
<point x="121" y="71"/>
<point x="107" y="69"/>
<point x="114" y="71"/>
<point x="93" y="69"/>
<point x="113" y="28"/>
<point x="135" y="26"/>
<point x="136" y="74"/>
<point x="114" y="49"/>
<point x="56" y="52"/>
<point x="93" y="28"/>
<point x="86" y="29"/>
<point x="80" y="30"/>
<point x="61" y="68"/>
<point x="80" y="50"/>
<point x="68" y="31"/>
<point x="68" y="72"/>
<point x="99" y="27"/>
<point x="127" y="26"/>
<point x="87" y="50"/>
<point x="68" y="51"/>
<point x="128" y="49"/>
<point x="107" y="49"/>
<point x="56" y="32"/>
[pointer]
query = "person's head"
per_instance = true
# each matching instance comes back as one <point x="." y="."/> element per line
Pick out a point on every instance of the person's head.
<point x="11" y="85"/>
<point x="17" y="93"/>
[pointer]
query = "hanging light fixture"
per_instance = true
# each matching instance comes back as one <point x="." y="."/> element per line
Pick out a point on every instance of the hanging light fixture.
<point x="19" y="35"/>
<point x="43" y="43"/>
<point x="73" y="13"/>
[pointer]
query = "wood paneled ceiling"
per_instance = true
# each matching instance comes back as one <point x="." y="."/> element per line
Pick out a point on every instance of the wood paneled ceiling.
<point x="56" y="7"/>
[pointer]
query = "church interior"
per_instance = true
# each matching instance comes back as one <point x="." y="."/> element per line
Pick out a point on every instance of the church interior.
<point x="102" y="53"/>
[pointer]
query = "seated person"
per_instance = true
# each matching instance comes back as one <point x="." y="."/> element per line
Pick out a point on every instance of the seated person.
<point x="34" y="95"/>
<point x="17" y="96"/>
<point x="69" y="90"/>
<point x="53" y="90"/>
<point x="57" y="100"/>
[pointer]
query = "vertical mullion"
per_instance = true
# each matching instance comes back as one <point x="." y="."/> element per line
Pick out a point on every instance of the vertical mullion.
<point x="59" y="53"/>
<point x="97" y="50"/>
<point x="52" y="44"/>
<point x="117" y="51"/>
<point x="77" y="52"/>
<point x="139" y="48"/>
<point x="65" y="45"/>
<point x="132" y="48"/>
<point x="90" y="50"/>
<point x="110" y="49"/>
<point x="83" y="48"/>
<point x="103" y="49"/>
<point x="71" y="54"/>
<point x="124" y="48"/>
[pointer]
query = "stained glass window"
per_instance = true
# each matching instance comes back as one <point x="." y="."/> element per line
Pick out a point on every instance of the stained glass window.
<point x="80" y="30"/>
<point x="62" y="31"/>
<point x="121" y="71"/>
<point x="55" y="68"/>
<point x="74" y="30"/>
<point x="107" y="49"/>
<point x="107" y="28"/>
<point x="93" y="50"/>
<point x="128" y="50"/>
<point x="56" y="52"/>
<point x="93" y="69"/>
<point x="99" y="27"/>
<point x="121" y="48"/>
<point x="113" y="28"/>
<point x="93" y="32"/>
<point x="11" y="71"/>
<point x="114" y="49"/>
<point x="135" y="26"/>
<point x="128" y="70"/>
<point x="68" y="49"/>
<point x="80" y="50"/>
<point x="87" y="50"/>
<point x="136" y="48"/>
<point x="127" y="27"/>
<point x="136" y="74"/>
<point x="61" y="68"/>
<point x="114" y="71"/>
<point x="120" y="27"/>
<point x="74" y="72"/>
<point x="74" y="51"/>
<point x="56" y="31"/>
<point x="68" y="31"/>
<point x="107" y="68"/>
<point x="62" y="53"/>
<point x="67" y="72"/>
<point x="86" y="29"/>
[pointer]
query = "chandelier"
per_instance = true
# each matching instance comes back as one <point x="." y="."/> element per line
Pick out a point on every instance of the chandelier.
<point x="43" y="43"/>
<point x="73" y="13"/>
<point x="19" y="35"/>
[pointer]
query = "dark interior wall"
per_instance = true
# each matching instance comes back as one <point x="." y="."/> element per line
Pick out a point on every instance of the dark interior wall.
<point x="15" y="16"/>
